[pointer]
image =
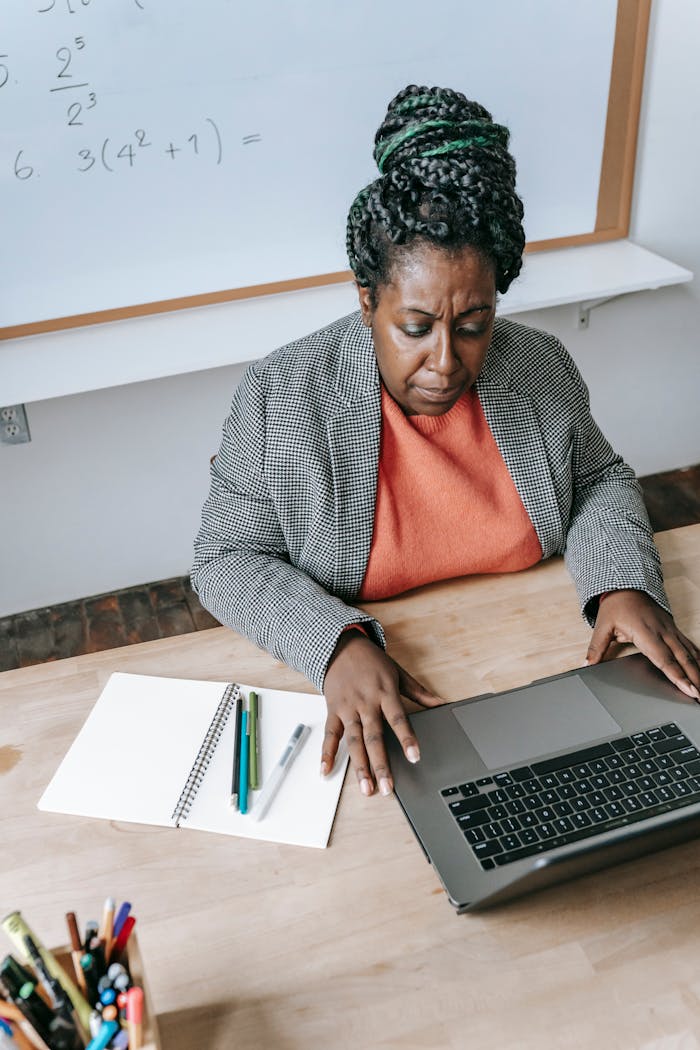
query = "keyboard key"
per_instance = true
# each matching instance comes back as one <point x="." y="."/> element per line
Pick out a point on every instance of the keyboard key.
<point x="469" y="805"/>
<point x="648" y="750"/>
<point x="617" y="761"/>
<point x="550" y="765"/>
<point x="694" y="767"/>
<point x="474" y="835"/>
<point x="657" y="734"/>
<point x="483" y="781"/>
<point x="598" y="815"/>
<point x="663" y="778"/>
<point x="665" y="761"/>
<point x="677" y="773"/>
<point x="649" y="766"/>
<point x="567" y="791"/>
<point x="516" y="807"/>
<point x="614" y="793"/>
<point x="510" y="826"/>
<point x="671" y="743"/>
<point x="614" y="809"/>
<point x="640" y="738"/>
<point x="532" y="802"/>
<point x="528" y="836"/>
<point x="681" y="789"/>
<point x="630" y="788"/>
<point x="600" y="782"/>
<point x="468" y="789"/>
<point x="618" y="776"/>
<point x="492" y="831"/>
<point x="583" y="770"/>
<point x="566" y="776"/>
<point x="646" y="784"/>
<point x="473" y="820"/>
<point x="510" y="842"/>
<point x="632" y="805"/>
<point x="502" y="779"/>
<point x="549" y="780"/>
<point x="532" y="786"/>
<point x="648" y="798"/>
<point x="446" y="792"/>
<point x="623" y="744"/>
<point x="487" y="849"/>
<point x="549" y="797"/>
<point x="563" y="809"/>
<point x="516" y="791"/>
<point x="686" y="754"/>
<point x="580" y="804"/>
<point x="599" y="766"/>
<point x="583" y="786"/>
<point x="546" y="831"/>
<point x="562" y="825"/>
<point x="521" y="773"/>
<point x="488" y="864"/>
<point x="496" y="796"/>
<point x="670" y="729"/>
<point x="581" y="820"/>
<point x="665" y="794"/>
<point x="497" y="812"/>
<point x="634" y="772"/>
<point x="597" y="798"/>
<point x="528" y="820"/>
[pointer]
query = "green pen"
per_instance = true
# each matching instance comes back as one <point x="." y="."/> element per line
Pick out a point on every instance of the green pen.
<point x="253" y="723"/>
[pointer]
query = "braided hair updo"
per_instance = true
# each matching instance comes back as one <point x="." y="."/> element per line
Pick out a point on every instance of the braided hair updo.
<point x="446" y="178"/>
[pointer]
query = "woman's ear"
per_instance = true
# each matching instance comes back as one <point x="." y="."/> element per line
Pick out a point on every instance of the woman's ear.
<point x="365" y="297"/>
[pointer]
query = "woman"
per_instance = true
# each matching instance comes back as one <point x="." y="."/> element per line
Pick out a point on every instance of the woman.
<point x="420" y="439"/>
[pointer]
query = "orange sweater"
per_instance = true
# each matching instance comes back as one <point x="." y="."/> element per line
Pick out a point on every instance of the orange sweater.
<point x="446" y="504"/>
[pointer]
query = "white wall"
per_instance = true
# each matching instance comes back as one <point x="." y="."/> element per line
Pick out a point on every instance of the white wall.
<point x="108" y="492"/>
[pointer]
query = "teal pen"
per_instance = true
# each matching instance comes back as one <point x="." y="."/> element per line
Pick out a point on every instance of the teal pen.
<point x="243" y="782"/>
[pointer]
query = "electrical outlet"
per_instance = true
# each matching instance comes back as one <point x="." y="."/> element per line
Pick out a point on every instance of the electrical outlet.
<point x="14" y="428"/>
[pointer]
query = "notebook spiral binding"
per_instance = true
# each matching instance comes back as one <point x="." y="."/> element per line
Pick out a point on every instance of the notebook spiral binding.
<point x="205" y="753"/>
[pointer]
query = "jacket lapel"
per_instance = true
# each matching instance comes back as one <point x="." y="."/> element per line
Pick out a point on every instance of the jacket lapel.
<point x="354" y="430"/>
<point x="518" y="435"/>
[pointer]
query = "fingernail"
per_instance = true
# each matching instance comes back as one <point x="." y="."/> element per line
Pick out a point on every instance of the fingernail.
<point x="324" y="768"/>
<point x="412" y="753"/>
<point x="586" y="663"/>
<point x="365" y="786"/>
<point x="690" y="690"/>
<point x="385" y="786"/>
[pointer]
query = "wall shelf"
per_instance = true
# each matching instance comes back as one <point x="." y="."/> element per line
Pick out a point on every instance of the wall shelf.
<point x="77" y="360"/>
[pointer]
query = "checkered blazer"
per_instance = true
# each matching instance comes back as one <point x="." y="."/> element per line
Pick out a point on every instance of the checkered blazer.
<point x="287" y="526"/>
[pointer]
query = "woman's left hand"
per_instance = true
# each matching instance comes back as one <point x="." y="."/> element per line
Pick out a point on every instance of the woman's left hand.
<point x="632" y="616"/>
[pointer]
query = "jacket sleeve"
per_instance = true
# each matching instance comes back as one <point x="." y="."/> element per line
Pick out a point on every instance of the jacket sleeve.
<point x="242" y="571"/>
<point x="609" y="542"/>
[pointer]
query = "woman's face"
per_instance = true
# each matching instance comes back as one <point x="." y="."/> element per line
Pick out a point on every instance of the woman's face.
<point x="431" y="326"/>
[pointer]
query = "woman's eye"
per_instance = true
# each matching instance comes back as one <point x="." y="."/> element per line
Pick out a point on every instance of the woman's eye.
<point x="478" y="330"/>
<point x="416" y="330"/>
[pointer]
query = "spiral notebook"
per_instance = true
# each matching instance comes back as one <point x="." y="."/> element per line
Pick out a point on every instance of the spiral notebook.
<point x="160" y="750"/>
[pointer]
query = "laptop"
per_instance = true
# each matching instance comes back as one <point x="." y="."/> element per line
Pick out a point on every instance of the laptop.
<point x="529" y="787"/>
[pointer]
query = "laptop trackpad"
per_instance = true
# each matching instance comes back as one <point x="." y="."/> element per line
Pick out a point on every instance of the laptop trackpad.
<point x="523" y="725"/>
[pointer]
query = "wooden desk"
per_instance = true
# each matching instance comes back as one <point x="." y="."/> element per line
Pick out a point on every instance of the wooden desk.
<point x="252" y="944"/>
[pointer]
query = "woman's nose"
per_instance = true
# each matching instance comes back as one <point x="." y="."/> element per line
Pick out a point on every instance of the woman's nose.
<point x="443" y="359"/>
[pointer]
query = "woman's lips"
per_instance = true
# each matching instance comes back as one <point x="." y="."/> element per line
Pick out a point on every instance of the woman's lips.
<point x="438" y="394"/>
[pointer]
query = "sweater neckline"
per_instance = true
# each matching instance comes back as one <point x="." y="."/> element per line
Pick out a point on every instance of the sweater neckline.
<point x="428" y="425"/>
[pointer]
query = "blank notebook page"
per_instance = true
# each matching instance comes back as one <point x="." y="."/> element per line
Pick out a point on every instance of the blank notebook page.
<point x="132" y="757"/>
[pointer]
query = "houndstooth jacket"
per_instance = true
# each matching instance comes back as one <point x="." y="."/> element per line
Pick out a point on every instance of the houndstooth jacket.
<point x="287" y="526"/>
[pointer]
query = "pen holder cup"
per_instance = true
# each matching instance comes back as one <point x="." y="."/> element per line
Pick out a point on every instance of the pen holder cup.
<point x="149" y="1026"/>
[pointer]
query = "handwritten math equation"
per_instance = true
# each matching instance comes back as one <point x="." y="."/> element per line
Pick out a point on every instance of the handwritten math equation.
<point x="75" y="104"/>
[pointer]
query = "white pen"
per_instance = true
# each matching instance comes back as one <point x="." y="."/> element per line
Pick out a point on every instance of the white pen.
<point x="271" y="785"/>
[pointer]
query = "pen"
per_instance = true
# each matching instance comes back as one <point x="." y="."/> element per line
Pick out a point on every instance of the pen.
<point x="76" y="949"/>
<point x="124" y="934"/>
<point x="236" y="775"/>
<point x="272" y="784"/>
<point x="253" y="757"/>
<point x="243" y="782"/>
<point x="121" y="915"/>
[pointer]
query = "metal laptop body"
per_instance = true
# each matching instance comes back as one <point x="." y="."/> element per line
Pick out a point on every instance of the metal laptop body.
<point x="478" y="739"/>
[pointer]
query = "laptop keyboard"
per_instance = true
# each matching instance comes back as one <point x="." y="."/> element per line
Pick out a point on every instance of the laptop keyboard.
<point x="532" y="809"/>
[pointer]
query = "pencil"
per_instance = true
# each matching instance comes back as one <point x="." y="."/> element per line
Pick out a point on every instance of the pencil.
<point x="244" y="752"/>
<point x="235" y="778"/>
<point x="253" y="722"/>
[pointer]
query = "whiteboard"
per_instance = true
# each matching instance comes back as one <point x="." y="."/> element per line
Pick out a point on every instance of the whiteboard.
<point x="155" y="149"/>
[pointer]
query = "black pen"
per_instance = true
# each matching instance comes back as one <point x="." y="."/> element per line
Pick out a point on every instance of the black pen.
<point x="235" y="777"/>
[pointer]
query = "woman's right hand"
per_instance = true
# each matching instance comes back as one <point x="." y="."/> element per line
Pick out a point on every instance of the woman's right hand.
<point x="363" y="687"/>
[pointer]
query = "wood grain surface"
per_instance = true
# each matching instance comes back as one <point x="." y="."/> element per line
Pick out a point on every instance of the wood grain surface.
<point x="254" y="945"/>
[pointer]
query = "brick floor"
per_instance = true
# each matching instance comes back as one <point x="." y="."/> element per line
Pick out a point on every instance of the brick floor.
<point x="170" y="607"/>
